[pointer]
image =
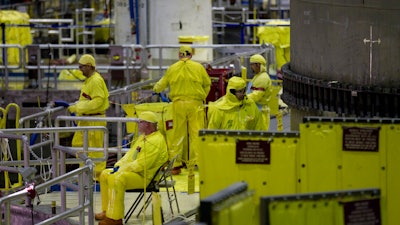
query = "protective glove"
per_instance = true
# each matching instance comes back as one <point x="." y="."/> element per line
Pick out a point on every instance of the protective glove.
<point x="72" y="108"/>
<point x="61" y="103"/>
<point x="115" y="169"/>
<point x="164" y="98"/>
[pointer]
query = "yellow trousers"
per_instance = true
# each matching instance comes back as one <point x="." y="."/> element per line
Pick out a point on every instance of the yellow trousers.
<point x="95" y="139"/>
<point x="265" y="112"/>
<point x="188" y="119"/>
<point x="112" y="190"/>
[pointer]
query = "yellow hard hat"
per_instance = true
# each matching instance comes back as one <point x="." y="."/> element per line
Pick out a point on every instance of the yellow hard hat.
<point x="87" y="60"/>
<point x="185" y="50"/>
<point x="148" y="116"/>
<point x="236" y="83"/>
<point x="258" y="59"/>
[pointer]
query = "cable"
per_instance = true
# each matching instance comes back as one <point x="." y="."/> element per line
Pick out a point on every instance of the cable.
<point x="144" y="181"/>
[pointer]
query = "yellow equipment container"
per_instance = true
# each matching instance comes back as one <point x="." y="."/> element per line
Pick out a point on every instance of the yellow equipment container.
<point x="328" y="208"/>
<point x="223" y="157"/>
<point x="327" y="155"/>
<point x="351" y="154"/>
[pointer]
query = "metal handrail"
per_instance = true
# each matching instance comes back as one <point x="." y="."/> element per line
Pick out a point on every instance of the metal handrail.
<point x="61" y="26"/>
<point x="119" y="120"/>
<point x="85" y="175"/>
<point x="85" y="193"/>
<point x="130" y="62"/>
<point x="5" y="64"/>
<point x="56" y="131"/>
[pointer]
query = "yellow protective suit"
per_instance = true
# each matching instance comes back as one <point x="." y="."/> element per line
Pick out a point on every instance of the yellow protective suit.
<point x="189" y="85"/>
<point x="260" y="89"/>
<point x="93" y="101"/>
<point x="230" y="113"/>
<point x="136" y="169"/>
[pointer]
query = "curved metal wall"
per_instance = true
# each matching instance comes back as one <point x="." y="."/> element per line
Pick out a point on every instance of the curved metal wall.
<point x="327" y="41"/>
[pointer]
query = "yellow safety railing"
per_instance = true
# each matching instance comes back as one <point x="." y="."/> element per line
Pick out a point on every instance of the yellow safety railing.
<point x="3" y="125"/>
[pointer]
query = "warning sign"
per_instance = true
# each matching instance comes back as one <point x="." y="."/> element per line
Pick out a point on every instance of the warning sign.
<point x="361" y="139"/>
<point x="253" y="152"/>
<point x="365" y="212"/>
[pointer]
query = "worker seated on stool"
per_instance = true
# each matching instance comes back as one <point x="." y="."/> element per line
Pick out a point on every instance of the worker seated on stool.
<point x="133" y="171"/>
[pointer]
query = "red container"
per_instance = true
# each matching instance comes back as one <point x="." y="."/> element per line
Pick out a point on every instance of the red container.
<point x="219" y="80"/>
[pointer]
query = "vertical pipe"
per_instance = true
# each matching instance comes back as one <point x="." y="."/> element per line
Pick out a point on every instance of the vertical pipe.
<point x="137" y="22"/>
<point x="4" y="54"/>
<point x="119" y="140"/>
<point x="3" y="39"/>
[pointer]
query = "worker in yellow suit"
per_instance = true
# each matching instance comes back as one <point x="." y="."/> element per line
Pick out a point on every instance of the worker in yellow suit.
<point x="189" y="85"/>
<point x="260" y="87"/>
<point x="235" y="111"/>
<point x="133" y="171"/>
<point x="93" y="101"/>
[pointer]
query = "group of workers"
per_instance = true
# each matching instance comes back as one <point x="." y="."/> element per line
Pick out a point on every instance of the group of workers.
<point x="243" y="107"/>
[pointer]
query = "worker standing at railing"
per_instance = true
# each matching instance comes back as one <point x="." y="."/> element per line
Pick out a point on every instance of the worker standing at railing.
<point x="189" y="85"/>
<point x="259" y="88"/>
<point x="93" y="101"/>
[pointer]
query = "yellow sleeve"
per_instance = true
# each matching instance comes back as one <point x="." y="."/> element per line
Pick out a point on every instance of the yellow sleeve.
<point x="264" y="83"/>
<point x="256" y="96"/>
<point x="163" y="82"/>
<point x="206" y="82"/>
<point x="151" y="150"/>
<point x="214" y="119"/>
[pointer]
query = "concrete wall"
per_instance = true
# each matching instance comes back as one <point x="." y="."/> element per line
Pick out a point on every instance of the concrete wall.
<point x="327" y="40"/>
<point x="173" y="18"/>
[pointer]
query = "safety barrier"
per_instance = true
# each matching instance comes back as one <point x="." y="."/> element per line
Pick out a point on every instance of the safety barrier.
<point x="84" y="207"/>
<point x="351" y="153"/>
<point x="121" y="60"/>
<point x="6" y="66"/>
<point x="7" y="157"/>
<point x="84" y="194"/>
<point x="120" y="121"/>
<point x="84" y="175"/>
<point x="266" y="161"/>
<point x="47" y="134"/>
<point x="4" y="144"/>
<point x="327" y="155"/>
<point x="232" y="205"/>
<point x="329" y="208"/>
<point x="26" y="161"/>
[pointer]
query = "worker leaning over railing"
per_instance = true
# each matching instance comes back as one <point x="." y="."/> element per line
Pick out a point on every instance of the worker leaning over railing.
<point x="259" y="88"/>
<point x="93" y="101"/>
<point x="189" y="85"/>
